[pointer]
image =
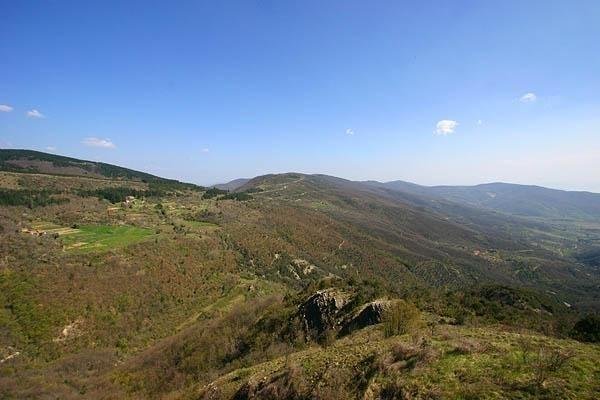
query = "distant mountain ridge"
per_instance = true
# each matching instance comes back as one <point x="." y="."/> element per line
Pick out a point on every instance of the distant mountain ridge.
<point x="507" y="198"/>
<point x="514" y="199"/>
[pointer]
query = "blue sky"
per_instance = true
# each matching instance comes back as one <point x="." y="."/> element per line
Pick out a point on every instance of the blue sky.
<point x="440" y="92"/>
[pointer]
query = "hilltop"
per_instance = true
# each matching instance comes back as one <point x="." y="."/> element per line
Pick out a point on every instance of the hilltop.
<point x="30" y="161"/>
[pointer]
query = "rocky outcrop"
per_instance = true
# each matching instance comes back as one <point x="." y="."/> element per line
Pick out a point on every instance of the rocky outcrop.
<point x="323" y="311"/>
<point x="371" y="314"/>
<point x="332" y="310"/>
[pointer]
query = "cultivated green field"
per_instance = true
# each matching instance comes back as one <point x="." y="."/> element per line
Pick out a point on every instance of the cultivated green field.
<point x="201" y="224"/>
<point x="104" y="237"/>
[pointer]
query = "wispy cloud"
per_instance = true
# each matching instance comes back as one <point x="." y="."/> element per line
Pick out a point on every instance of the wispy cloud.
<point x="205" y="150"/>
<point x="96" y="142"/>
<point x="528" y="98"/>
<point x="5" y="108"/>
<point x="51" y="148"/>
<point x="479" y="122"/>
<point x="445" y="127"/>
<point x="349" y="132"/>
<point x="35" y="114"/>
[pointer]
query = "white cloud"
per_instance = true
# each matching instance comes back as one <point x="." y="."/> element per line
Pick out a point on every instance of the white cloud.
<point x="205" y="150"/>
<point x="528" y="98"/>
<point x="51" y="148"/>
<point x="349" y="131"/>
<point x="96" y="142"/>
<point x="479" y="122"/>
<point x="445" y="127"/>
<point x="35" y="114"/>
<point x="5" y="108"/>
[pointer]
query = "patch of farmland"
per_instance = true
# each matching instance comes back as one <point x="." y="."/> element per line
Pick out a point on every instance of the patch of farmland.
<point x="103" y="237"/>
<point x="92" y="237"/>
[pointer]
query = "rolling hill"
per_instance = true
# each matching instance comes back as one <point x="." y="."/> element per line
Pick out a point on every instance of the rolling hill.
<point x="437" y="242"/>
<point x="519" y="200"/>
<point x="30" y="161"/>
<point x="119" y="284"/>
<point x="232" y="185"/>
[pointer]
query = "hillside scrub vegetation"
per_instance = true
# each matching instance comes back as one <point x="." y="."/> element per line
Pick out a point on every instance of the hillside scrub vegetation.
<point x="587" y="329"/>
<point x="291" y="286"/>
<point x="400" y="318"/>
<point x="29" y="198"/>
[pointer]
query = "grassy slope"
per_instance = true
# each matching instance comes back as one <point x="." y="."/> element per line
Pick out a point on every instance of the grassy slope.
<point x="460" y="362"/>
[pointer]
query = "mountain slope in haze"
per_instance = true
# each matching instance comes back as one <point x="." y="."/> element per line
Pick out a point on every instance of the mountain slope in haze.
<point x="232" y="185"/>
<point x="520" y="200"/>
<point x="30" y="161"/>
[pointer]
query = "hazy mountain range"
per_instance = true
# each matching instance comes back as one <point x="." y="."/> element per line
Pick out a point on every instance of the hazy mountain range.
<point x="515" y="199"/>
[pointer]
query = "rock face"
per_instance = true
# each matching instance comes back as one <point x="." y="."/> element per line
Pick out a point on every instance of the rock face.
<point x="331" y="310"/>
<point x="323" y="311"/>
<point x="371" y="314"/>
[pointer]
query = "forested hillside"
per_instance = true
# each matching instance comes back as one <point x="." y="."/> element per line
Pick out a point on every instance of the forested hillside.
<point x="293" y="286"/>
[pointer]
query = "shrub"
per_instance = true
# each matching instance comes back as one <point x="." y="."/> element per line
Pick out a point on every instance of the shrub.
<point x="401" y="318"/>
<point x="587" y="329"/>
<point x="547" y="363"/>
<point x="213" y="192"/>
<point x="119" y="194"/>
<point x="543" y="361"/>
<point x="29" y="198"/>
<point x="22" y="318"/>
<point x="241" y="196"/>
